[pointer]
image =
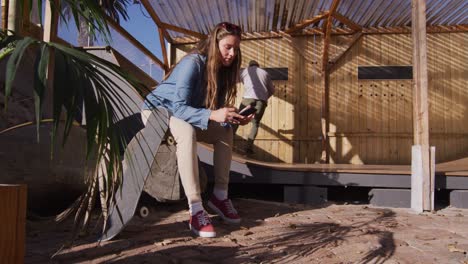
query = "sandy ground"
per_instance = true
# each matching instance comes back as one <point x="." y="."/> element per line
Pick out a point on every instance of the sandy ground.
<point x="271" y="232"/>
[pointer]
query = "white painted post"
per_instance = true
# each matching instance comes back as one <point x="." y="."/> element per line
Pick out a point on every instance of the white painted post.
<point x="416" y="179"/>
<point x="420" y="101"/>
<point x="432" y="173"/>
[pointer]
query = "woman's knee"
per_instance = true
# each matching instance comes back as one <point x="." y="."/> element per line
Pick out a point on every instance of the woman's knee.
<point x="181" y="130"/>
<point x="226" y="136"/>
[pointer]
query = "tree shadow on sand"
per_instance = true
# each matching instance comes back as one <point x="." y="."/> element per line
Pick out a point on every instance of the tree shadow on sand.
<point x="258" y="239"/>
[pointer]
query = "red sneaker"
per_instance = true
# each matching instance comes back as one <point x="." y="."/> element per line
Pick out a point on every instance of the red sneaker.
<point x="200" y="224"/>
<point x="225" y="210"/>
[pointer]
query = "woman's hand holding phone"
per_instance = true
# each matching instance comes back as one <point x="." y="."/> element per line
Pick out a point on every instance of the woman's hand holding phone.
<point x="248" y="110"/>
<point x="247" y="114"/>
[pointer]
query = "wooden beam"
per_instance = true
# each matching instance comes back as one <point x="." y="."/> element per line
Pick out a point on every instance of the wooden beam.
<point x="50" y="22"/>
<point x="311" y="32"/>
<point x="407" y="30"/>
<point x="13" y="199"/>
<point x="347" y="21"/>
<point x="156" y="19"/>
<point x="420" y="97"/>
<point x="325" y="113"/>
<point x="5" y="14"/>
<point x="163" y="34"/>
<point x="135" y="42"/>
<point x="307" y="22"/>
<point x="354" y="40"/>
<point x="14" y="17"/>
<point x="327" y="31"/>
<point x="288" y="38"/>
<point x="185" y="31"/>
<point x="334" y="7"/>
<point x="163" y="47"/>
<point x="50" y="33"/>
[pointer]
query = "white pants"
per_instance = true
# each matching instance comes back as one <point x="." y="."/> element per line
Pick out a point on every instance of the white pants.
<point x="186" y="137"/>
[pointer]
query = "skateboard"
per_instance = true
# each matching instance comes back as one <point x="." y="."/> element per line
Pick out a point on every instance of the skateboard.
<point x="163" y="183"/>
<point x="139" y="157"/>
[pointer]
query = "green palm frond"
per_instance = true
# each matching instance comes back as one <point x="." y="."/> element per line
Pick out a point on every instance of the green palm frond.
<point x="80" y="79"/>
<point x="92" y="12"/>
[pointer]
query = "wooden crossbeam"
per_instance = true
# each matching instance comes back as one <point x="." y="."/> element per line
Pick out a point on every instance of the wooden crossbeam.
<point x="156" y="19"/>
<point x="183" y="30"/>
<point x="135" y="42"/>
<point x="353" y="41"/>
<point x="288" y="38"/>
<point x="163" y="34"/>
<point x="307" y="22"/>
<point x="310" y="32"/>
<point x="347" y="21"/>
<point x="407" y="30"/>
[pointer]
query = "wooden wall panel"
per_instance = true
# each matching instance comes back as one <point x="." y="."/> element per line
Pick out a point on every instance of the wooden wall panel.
<point x="370" y="120"/>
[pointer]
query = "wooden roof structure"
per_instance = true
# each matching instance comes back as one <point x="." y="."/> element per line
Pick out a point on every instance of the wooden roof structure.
<point x="181" y="21"/>
<point x="179" y="18"/>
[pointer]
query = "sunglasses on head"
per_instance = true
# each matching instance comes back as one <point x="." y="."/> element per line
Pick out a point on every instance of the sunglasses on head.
<point x="231" y="28"/>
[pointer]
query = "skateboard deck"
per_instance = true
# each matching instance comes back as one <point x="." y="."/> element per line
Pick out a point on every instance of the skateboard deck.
<point x="139" y="157"/>
<point x="163" y="183"/>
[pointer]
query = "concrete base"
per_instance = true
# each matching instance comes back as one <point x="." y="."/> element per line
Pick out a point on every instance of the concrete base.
<point x="390" y="197"/>
<point x="305" y="194"/>
<point x="459" y="198"/>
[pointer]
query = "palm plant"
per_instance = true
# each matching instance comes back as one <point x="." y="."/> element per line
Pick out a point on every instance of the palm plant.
<point x="84" y="79"/>
<point x="113" y="8"/>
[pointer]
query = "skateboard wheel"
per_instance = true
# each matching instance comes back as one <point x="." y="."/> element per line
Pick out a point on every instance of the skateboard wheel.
<point x="143" y="212"/>
<point x="170" y="140"/>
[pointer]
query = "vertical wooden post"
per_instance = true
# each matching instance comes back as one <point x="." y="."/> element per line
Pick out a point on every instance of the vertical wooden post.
<point x="12" y="223"/>
<point x="163" y="47"/>
<point x="5" y="4"/>
<point x="50" y="32"/>
<point x="14" y="18"/>
<point x="432" y="152"/>
<point x="325" y="113"/>
<point x="420" y="98"/>
<point x="325" y="117"/>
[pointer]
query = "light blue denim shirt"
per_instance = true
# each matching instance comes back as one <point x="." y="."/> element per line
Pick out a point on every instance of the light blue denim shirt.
<point x="183" y="92"/>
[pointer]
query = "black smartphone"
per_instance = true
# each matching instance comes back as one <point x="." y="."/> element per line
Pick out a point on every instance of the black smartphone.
<point x="248" y="111"/>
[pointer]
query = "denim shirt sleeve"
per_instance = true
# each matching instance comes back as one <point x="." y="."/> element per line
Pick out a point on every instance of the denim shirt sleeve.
<point x="183" y="92"/>
<point x="188" y="79"/>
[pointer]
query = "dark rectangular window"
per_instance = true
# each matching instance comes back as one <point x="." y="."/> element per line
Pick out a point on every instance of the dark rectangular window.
<point x="276" y="73"/>
<point x="385" y="72"/>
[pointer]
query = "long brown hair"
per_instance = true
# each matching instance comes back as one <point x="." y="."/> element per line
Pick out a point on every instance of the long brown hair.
<point x="215" y="73"/>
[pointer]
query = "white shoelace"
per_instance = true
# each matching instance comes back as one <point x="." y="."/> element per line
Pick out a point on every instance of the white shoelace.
<point x="203" y="219"/>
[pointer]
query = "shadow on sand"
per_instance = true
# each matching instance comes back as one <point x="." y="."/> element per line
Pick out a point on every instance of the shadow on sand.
<point x="164" y="238"/>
